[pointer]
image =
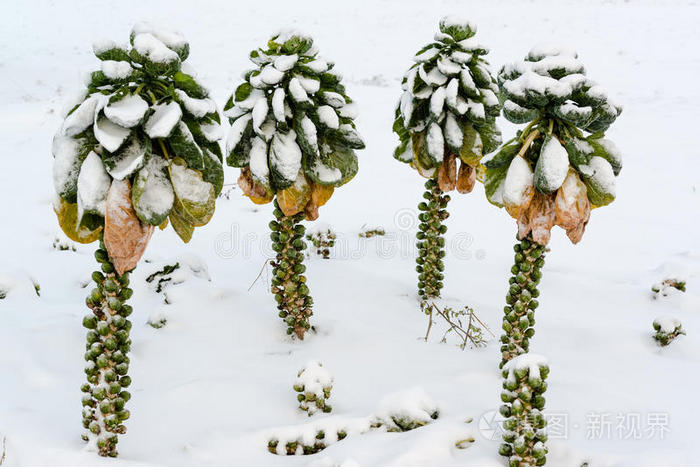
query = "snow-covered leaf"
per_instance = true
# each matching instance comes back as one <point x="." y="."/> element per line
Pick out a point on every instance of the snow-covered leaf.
<point x="552" y="166"/>
<point x="152" y="194"/>
<point x="194" y="198"/>
<point x="238" y="141"/>
<point x="127" y="159"/>
<point x="69" y="154"/>
<point x="196" y="107"/>
<point x="82" y="116"/>
<point x="127" y="111"/>
<point x="93" y="185"/>
<point x="285" y="159"/>
<point x="183" y="145"/>
<point x="163" y="120"/>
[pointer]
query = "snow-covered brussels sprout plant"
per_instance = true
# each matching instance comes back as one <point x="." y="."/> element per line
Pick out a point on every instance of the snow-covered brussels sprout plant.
<point x="554" y="172"/>
<point x="551" y="173"/>
<point x="445" y="118"/>
<point x="138" y="149"/>
<point x="293" y="135"/>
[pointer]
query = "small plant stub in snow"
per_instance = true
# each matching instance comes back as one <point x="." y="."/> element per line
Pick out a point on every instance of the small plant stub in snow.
<point x="323" y="242"/>
<point x="667" y="286"/>
<point x="667" y="329"/>
<point x="314" y="384"/>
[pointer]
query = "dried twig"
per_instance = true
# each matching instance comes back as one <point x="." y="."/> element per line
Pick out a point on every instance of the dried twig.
<point x="4" y="443"/>
<point x="267" y="261"/>
<point x="470" y="333"/>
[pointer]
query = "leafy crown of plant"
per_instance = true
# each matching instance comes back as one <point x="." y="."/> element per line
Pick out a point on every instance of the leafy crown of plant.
<point x="450" y="102"/>
<point x="292" y="127"/>
<point x="146" y="123"/>
<point x="551" y="173"/>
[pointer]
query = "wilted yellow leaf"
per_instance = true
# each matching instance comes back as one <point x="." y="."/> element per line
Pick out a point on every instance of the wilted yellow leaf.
<point x="67" y="214"/>
<point x="292" y="200"/>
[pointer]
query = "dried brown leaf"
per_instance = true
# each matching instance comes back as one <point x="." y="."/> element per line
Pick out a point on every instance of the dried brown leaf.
<point x="253" y="190"/>
<point x="447" y="173"/>
<point x="125" y="236"/>
<point x="538" y="218"/>
<point x="466" y="178"/>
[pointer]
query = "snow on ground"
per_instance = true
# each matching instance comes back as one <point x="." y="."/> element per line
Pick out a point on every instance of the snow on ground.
<point x="212" y="383"/>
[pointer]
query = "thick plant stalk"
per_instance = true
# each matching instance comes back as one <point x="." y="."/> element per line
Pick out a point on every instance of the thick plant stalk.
<point x="521" y="303"/>
<point x="107" y="347"/>
<point x="524" y="433"/>
<point x="288" y="281"/>
<point x="431" y="244"/>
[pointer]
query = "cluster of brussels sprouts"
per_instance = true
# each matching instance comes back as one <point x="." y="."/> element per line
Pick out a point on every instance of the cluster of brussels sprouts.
<point x="551" y="173"/>
<point x="521" y="299"/>
<point x="314" y="384"/>
<point x="667" y="329"/>
<point x="446" y="116"/>
<point x="431" y="243"/>
<point x="107" y="347"/>
<point x="288" y="280"/>
<point x="524" y="428"/>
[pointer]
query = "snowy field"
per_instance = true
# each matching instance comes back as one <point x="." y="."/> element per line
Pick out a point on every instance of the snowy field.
<point x="215" y="383"/>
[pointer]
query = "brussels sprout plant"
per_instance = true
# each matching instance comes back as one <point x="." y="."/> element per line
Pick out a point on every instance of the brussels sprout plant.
<point x="551" y="173"/>
<point x="293" y="135"/>
<point x="445" y="118"/>
<point x="139" y="149"/>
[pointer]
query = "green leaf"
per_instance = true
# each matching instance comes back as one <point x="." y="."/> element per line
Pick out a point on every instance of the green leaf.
<point x="243" y="92"/>
<point x="152" y="193"/>
<point x="213" y="171"/>
<point x="607" y="150"/>
<point x="600" y="181"/>
<point x="182" y="226"/>
<point x="183" y="145"/>
<point x="307" y="134"/>
<point x="155" y="68"/>
<point x="457" y="31"/>
<point x="98" y="79"/>
<point x="334" y="169"/>
<point x="403" y="151"/>
<point x="518" y="114"/>
<point x="115" y="53"/>
<point x="188" y="84"/>
<point x="580" y="151"/>
<point x="504" y="157"/>
<point x="490" y="137"/>
<point x="494" y="179"/>
<point x="239" y="141"/>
